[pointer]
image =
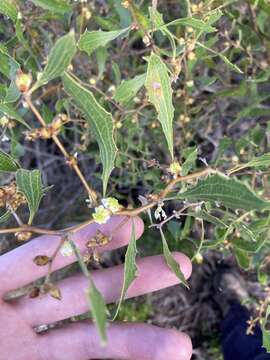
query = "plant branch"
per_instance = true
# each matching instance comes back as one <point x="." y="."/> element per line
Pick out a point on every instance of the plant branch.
<point x="70" y="159"/>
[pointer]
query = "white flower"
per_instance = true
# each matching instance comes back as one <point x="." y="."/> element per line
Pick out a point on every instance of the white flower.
<point x="101" y="215"/>
<point x="111" y="204"/>
<point x="66" y="249"/>
<point x="160" y="213"/>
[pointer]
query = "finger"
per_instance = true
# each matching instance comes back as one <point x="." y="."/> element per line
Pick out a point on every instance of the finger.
<point x="18" y="264"/>
<point x="153" y="274"/>
<point x="129" y="341"/>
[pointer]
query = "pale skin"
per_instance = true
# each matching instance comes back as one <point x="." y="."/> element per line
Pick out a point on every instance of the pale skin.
<point x="80" y="341"/>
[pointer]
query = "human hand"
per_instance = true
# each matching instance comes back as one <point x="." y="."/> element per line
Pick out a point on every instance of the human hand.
<point x="80" y="341"/>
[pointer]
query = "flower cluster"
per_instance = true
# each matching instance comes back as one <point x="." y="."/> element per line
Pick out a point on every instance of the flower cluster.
<point x="103" y="212"/>
<point x="48" y="131"/>
<point x="10" y="197"/>
<point x="175" y="168"/>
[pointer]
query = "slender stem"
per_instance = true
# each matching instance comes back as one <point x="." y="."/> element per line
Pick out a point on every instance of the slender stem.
<point x="15" y="215"/>
<point x="188" y="8"/>
<point x="125" y="212"/>
<point x="32" y="229"/>
<point x="70" y="159"/>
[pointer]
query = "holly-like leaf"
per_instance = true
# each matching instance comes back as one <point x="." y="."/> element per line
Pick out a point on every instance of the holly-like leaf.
<point x="159" y="90"/>
<point x="59" y="59"/>
<point x="129" y="88"/>
<point x="30" y="185"/>
<point x="171" y="262"/>
<point x="55" y="6"/>
<point x="228" y="191"/>
<point x="91" y="40"/>
<point x="100" y="121"/>
<point x="9" y="9"/>
<point x="7" y="163"/>
<point x="130" y="268"/>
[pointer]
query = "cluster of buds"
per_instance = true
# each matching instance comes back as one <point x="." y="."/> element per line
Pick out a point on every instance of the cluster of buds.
<point x="86" y="13"/>
<point x="7" y="122"/>
<point x="126" y="4"/>
<point x="10" y="197"/>
<point x="103" y="212"/>
<point x="23" y="81"/>
<point x="197" y="8"/>
<point x="99" y="239"/>
<point x="177" y="67"/>
<point x="47" y="132"/>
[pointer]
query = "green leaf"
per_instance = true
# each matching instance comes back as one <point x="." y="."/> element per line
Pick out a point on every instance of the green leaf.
<point x="173" y="264"/>
<point x="10" y="112"/>
<point x="98" y="310"/>
<point x="100" y="121"/>
<point x="266" y="333"/>
<point x="30" y="185"/>
<point x="59" y="59"/>
<point x="8" y="9"/>
<point x="96" y="301"/>
<point x="262" y="4"/>
<point x="192" y="22"/>
<point x="7" y="163"/>
<point x="91" y="40"/>
<point x="202" y="214"/>
<point x="242" y="258"/>
<point x="55" y="6"/>
<point x="228" y="191"/>
<point x="129" y="88"/>
<point x="130" y="267"/>
<point x="159" y="90"/>
<point x="4" y="217"/>
<point x="258" y="162"/>
<point x="189" y="163"/>
<point x="230" y="64"/>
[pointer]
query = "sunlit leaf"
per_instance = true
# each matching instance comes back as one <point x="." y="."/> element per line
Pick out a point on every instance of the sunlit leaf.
<point x="30" y="185"/>
<point x="91" y="40"/>
<point x="59" y="59"/>
<point x="228" y="191"/>
<point x="130" y="267"/>
<point x="171" y="262"/>
<point x="96" y="301"/>
<point x="100" y="121"/>
<point x="159" y="90"/>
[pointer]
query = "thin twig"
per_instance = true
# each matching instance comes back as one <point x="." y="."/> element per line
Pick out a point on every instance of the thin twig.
<point x="70" y="159"/>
